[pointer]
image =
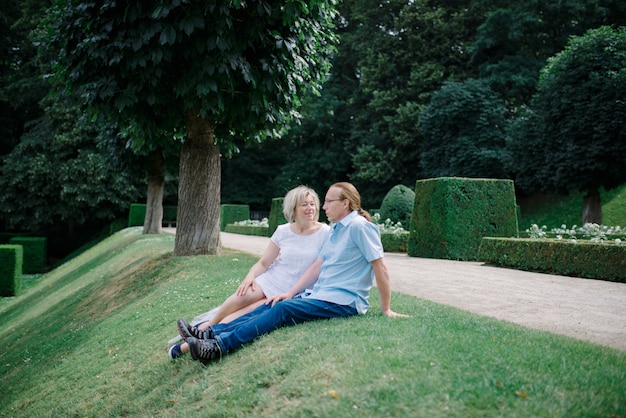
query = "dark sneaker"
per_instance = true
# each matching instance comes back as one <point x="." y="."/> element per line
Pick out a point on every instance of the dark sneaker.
<point x="175" y="351"/>
<point x="205" y="351"/>
<point x="185" y="330"/>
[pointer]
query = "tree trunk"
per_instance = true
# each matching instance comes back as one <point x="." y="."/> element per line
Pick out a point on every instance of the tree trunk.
<point x="592" y="207"/>
<point x="198" y="217"/>
<point x="153" y="222"/>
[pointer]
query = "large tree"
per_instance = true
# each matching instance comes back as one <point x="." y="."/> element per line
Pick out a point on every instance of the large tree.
<point x="463" y="132"/>
<point x="224" y="72"/>
<point x="573" y="136"/>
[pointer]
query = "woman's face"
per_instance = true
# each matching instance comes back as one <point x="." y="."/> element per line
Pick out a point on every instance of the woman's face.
<point x="306" y="209"/>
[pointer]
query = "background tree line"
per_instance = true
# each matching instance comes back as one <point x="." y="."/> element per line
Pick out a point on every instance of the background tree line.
<point x="437" y="88"/>
<point x="417" y="89"/>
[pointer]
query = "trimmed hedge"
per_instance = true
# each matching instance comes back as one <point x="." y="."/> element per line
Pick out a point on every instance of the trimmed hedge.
<point x="581" y="259"/>
<point x="137" y="214"/>
<point x="229" y="214"/>
<point x="11" y="258"/>
<point x="260" y="231"/>
<point x="276" y="215"/>
<point x="451" y="215"/>
<point x="394" y="243"/>
<point x="35" y="253"/>
<point x="5" y="237"/>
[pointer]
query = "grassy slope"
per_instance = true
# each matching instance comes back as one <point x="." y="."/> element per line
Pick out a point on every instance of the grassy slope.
<point x="89" y="340"/>
<point x="553" y="211"/>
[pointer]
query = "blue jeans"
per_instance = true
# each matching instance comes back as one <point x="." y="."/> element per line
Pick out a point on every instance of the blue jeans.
<point x="265" y="319"/>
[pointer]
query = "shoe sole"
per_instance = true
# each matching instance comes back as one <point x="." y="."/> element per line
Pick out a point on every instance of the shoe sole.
<point x="183" y="331"/>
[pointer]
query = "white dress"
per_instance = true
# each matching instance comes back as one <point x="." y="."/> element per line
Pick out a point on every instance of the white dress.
<point x="297" y="253"/>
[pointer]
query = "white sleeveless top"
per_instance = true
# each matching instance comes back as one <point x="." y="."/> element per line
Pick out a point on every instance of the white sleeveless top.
<point x="297" y="253"/>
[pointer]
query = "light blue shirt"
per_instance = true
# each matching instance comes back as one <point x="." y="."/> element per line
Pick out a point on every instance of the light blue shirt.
<point x="346" y="275"/>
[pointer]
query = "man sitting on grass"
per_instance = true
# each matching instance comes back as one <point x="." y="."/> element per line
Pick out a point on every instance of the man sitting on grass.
<point x="341" y="276"/>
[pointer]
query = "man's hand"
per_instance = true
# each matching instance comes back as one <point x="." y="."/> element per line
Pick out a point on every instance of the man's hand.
<point x="275" y="299"/>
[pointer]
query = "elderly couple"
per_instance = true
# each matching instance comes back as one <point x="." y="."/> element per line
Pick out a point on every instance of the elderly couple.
<point x="308" y="272"/>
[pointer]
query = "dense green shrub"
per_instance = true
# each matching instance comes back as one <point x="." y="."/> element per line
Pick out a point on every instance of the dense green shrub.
<point x="137" y="214"/>
<point x="586" y="259"/>
<point x="398" y="205"/>
<point x="117" y="225"/>
<point x="35" y="253"/>
<point x="451" y="215"/>
<point x="169" y="215"/>
<point x="5" y="237"/>
<point x="260" y="231"/>
<point x="230" y="214"/>
<point x="276" y="215"/>
<point x="394" y="242"/>
<point x="11" y="257"/>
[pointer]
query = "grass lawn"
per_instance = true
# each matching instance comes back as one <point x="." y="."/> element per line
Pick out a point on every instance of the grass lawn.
<point x="89" y="339"/>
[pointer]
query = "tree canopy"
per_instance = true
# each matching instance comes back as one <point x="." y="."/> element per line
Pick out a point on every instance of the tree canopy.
<point x="575" y="122"/>
<point x="223" y="72"/>
<point x="240" y="65"/>
<point x="515" y="40"/>
<point x="21" y="84"/>
<point x="58" y="175"/>
<point x="463" y="132"/>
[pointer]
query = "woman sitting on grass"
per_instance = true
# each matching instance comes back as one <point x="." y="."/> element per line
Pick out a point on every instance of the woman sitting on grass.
<point x="291" y="250"/>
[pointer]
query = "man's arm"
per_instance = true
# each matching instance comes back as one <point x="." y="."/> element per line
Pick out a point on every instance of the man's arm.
<point x="306" y="281"/>
<point x="383" y="282"/>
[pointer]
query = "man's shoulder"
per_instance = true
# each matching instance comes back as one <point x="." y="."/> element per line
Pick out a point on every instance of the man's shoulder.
<point x="360" y="223"/>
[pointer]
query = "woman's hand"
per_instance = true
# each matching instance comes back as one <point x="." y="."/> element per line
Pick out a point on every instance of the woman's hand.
<point x="248" y="283"/>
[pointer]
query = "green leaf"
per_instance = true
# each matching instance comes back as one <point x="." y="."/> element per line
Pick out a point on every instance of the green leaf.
<point x="211" y="42"/>
<point x="190" y="23"/>
<point x="222" y="43"/>
<point x="168" y="36"/>
<point x="157" y="55"/>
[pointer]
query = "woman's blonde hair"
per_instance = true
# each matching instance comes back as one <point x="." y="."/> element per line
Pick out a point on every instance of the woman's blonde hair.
<point x="293" y="199"/>
<point x="348" y="191"/>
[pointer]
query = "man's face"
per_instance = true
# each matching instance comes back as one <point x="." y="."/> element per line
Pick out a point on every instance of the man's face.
<point x="334" y="205"/>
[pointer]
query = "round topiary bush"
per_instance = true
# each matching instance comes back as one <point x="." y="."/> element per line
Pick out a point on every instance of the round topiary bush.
<point x="398" y="205"/>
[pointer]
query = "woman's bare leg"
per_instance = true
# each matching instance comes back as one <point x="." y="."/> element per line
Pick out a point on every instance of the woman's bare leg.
<point x="243" y="311"/>
<point x="184" y="347"/>
<point x="233" y="304"/>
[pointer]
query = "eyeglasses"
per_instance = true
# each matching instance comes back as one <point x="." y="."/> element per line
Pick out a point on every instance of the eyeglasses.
<point x="332" y="200"/>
